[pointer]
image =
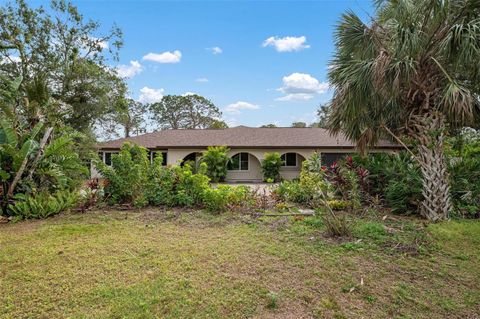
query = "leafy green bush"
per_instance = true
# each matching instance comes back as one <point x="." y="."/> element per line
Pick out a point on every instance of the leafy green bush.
<point x="225" y="197"/>
<point x="43" y="205"/>
<point x="216" y="158"/>
<point x="127" y="178"/>
<point x="189" y="188"/>
<point x="463" y="154"/>
<point x="349" y="180"/>
<point x="271" y="165"/>
<point x="337" y="204"/>
<point x="311" y="189"/>
<point x="394" y="177"/>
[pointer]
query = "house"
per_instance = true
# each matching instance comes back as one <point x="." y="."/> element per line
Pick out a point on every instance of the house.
<point x="247" y="146"/>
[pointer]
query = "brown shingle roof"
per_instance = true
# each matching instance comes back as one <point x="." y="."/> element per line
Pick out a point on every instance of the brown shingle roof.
<point x="239" y="137"/>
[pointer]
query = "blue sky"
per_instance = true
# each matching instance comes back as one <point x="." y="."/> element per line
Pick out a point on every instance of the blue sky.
<point x="271" y="65"/>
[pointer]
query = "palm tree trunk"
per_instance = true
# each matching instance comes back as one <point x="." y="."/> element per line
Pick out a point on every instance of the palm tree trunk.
<point x="436" y="190"/>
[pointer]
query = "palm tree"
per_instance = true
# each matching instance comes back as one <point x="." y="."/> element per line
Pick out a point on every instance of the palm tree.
<point x="413" y="73"/>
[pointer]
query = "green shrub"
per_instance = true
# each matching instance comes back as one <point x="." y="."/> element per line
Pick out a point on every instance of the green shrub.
<point x="189" y="188"/>
<point x="216" y="199"/>
<point x="463" y="154"/>
<point x="396" y="178"/>
<point x="216" y="158"/>
<point x="127" y="178"/>
<point x="311" y="189"/>
<point x="43" y="205"/>
<point x="271" y="165"/>
<point x="336" y="204"/>
<point x="225" y="197"/>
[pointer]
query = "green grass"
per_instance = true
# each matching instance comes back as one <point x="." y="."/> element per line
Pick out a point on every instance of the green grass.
<point x="156" y="264"/>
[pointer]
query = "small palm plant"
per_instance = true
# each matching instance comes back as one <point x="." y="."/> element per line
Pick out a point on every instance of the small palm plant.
<point x="216" y="158"/>
<point x="412" y="73"/>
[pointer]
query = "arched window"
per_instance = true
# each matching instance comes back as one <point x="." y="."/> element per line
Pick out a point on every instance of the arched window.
<point x="239" y="162"/>
<point x="289" y="159"/>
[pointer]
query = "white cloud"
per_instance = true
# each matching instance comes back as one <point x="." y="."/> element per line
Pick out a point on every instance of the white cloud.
<point x="287" y="44"/>
<point x="301" y="87"/>
<point x="202" y="80"/>
<point x="149" y="95"/>
<point x="215" y="50"/>
<point x="165" y="57"/>
<point x="295" y="97"/>
<point x="189" y="93"/>
<point x="128" y="71"/>
<point x="235" y="108"/>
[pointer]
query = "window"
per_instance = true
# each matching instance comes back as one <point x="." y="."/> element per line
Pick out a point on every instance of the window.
<point x="239" y="162"/>
<point x="329" y="158"/>
<point x="289" y="159"/>
<point x="154" y="154"/>
<point x="108" y="158"/>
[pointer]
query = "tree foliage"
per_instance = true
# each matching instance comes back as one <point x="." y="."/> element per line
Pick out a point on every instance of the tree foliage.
<point x="184" y="112"/>
<point x="271" y="164"/>
<point x="216" y="158"/>
<point x="299" y="124"/>
<point x="65" y="54"/>
<point x="412" y="72"/>
<point x="128" y="119"/>
<point x="33" y="159"/>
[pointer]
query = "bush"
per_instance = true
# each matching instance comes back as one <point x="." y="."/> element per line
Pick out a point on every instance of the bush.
<point x="216" y="158"/>
<point x="396" y="178"/>
<point x="127" y="178"/>
<point x="43" y="205"/>
<point x="189" y="188"/>
<point x="350" y="181"/>
<point x="463" y="154"/>
<point x="311" y="189"/>
<point x="336" y="204"/>
<point x="271" y="165"/>
<point x="225" y="197"/>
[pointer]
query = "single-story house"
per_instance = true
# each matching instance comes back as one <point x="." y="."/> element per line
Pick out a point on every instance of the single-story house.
<point x="247" y="146"/>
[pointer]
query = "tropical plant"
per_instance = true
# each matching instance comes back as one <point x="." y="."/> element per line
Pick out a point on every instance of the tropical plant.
<point x="33" y="159"/>
<point x="463" y="153"/>
<point x="43" y="205"/>
<point x="411" y="73"/>
<point x="311" y="189"/>
<point x="216" y="158"/>
<point x="271" y="164"/>
<point x="396" y="178"/>
<point x="127" y="177"/>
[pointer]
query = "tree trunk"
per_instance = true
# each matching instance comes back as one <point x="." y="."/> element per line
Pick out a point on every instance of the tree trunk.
<point x="436" y="190"/>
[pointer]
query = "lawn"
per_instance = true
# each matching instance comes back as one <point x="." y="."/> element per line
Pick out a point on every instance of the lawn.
<point x="163" y="264"/>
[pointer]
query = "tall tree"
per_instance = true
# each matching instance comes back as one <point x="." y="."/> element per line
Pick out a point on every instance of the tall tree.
<point x="323" y="114"/>
<point x="299" y="124"/>
<point x="184" y="112"/>
<point x="217" y="124"/>
<point x="412" y="72"/>
<point x="128" y="119"/>
<point x="69" y="55"/>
